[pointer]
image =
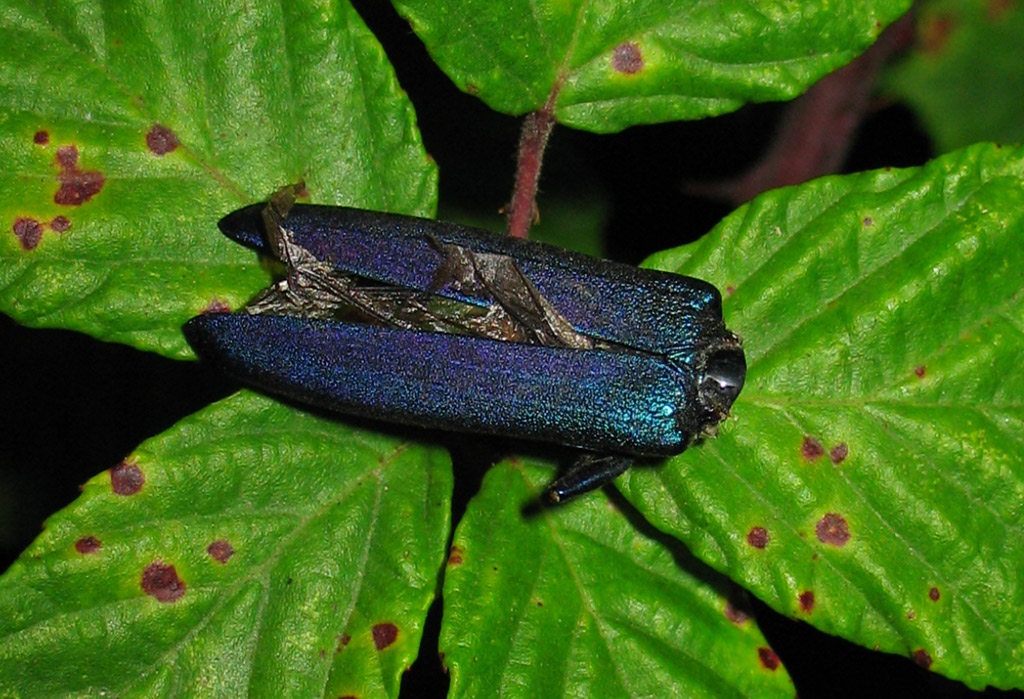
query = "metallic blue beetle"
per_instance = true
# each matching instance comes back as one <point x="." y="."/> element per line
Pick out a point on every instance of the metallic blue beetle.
<point x="434" y="324"/>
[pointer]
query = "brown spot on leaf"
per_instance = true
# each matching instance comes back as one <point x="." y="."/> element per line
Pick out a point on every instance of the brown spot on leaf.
<point x="735" y="613"/>
<point x="41" y="138"/>
<point x="384" y="635"/>
<point x="997" y="9"/>
<point x="220" y="550"/>
<point x="758" y="537"/>
<point x="811" y="449"/>
<point x="455" y="556"/>
<point x="67" y="157"/>
<point x="911" y="614"/>
<point x="215" y="305"/>
<point x="343" y="640"/>
<point x="59" y="224"/>
<point x="730" y="290"/>
<point x="28" y="231"/>
<point x="807" y="601"/>
<point x="922" y="658"/>
<point x="627" y="58"/>
<point x="76" y="186"/>
<point x="868" y="221"/>
<point x="348" y="696"/>
<point x="126" y="478"/>
<point x="933" y="594"/>
<point x="935" y="32"/>
<point x="832" y="529"/>
<point x="87" y="544"/>
<point x="920" y="371"/>
<point x="161" y="582"/>
<point x="472" y="89"/>
<point x="161" y="140"/>
<point x="768" y="658"/>
<point x="838" y="453"/>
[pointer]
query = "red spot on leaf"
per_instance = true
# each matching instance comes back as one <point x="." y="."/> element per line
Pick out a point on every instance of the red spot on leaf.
<point x="87" y="544"/>
<point x="832" y="529"/>
<point x="126" y="478"/>
<point x="161" y="582"/>
<point x="161" y="140"/>
<point x="922" y="658"/>
<point x="220" y="550"/>
<point x="933" y="594"/>
<point x="768" y="658"/>
<point x="920" y="371"/>
<point x="76" y="186"/>
<point x="455" y="556"/>
<point x="627" y="58"/>
<point x="838" y="453"/>
<point x="811" y="449"/>
<point x="384" y="635"/>
<point x="758" y="537"/>
<point x="41" y="138"/>
<point x="28" y="231"/>
<point x="730" y="290"/>
<point x="807" y="601"/>
<point x="59" y="224"/>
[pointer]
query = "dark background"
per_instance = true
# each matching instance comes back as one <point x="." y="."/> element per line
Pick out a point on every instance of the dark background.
<point x="74" y="406"/>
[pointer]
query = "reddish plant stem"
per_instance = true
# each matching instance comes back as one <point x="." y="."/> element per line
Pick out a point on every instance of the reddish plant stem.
<point x="818" y="127"/>
<point x="522" y="210"/>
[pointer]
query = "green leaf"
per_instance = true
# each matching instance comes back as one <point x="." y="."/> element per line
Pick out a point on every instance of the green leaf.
<point x="966" y="77"/>
<point x="612" y="64"/>
<point x="250" y="549"/>
<point x="586" y="600"/>
<point x="870" y="481"/>
<point x="137" y="129"/>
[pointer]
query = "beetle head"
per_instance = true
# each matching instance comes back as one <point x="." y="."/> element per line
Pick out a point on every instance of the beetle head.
<point x="725" y="369"/>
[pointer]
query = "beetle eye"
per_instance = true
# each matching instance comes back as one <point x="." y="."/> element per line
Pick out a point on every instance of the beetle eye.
<point x="724" y="373"/>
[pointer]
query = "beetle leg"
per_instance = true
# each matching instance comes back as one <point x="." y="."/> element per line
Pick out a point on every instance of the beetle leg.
<point x="588" y="472"/>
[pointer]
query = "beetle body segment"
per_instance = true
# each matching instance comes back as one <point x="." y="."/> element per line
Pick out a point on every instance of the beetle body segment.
<point x="606" y="401"/>
<point x="641" y="309"/>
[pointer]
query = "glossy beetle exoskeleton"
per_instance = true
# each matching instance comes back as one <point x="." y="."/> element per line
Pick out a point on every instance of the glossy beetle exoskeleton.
<point x="438" y="325"/>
